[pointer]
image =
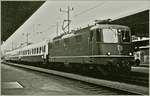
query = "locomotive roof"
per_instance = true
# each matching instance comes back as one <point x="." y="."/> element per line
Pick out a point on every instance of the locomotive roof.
<point x="73" y="33"/>
<point x="68" y="35"/>
<point x="92" y="27"/>
<point x="108" y="26"/>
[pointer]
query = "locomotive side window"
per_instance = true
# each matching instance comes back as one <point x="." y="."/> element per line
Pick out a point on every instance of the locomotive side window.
<point x="98" y="35"/>
<point x="110" y="35"/>
<point x="56" y="43"/>
<point x="78" y="38"/>
<point x="66" y="40"/>
<point x="91" y="35"/>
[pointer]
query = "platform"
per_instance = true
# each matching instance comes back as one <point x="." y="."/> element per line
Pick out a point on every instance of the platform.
<point x="19" y="81"/>
<point x="140" y="69"/>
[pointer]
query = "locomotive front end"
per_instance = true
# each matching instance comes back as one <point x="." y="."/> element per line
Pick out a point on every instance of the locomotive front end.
<point x="114" y="48"/>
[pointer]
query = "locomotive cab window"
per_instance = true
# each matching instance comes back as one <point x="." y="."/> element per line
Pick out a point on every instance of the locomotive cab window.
<point x="125" y="36"/>
<point x="98" y="35"/>
<point x="110" y="36"/>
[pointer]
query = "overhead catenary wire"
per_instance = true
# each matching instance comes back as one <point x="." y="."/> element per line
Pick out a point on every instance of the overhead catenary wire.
<point x="89" y="9"/>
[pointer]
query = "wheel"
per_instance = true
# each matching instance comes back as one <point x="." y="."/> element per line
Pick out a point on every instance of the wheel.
<point x="137" y="62"/>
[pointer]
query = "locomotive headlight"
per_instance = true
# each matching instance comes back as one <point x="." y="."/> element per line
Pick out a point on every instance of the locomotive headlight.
<point x="119" y="30"/>
<point x="130" y="53"/>
<point x="108" y="53"/>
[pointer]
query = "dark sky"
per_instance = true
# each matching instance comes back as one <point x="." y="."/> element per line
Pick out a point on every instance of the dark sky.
<point x="14" y="14"/>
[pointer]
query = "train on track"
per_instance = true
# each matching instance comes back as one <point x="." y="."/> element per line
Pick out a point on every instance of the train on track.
<point x="103" y="47"/>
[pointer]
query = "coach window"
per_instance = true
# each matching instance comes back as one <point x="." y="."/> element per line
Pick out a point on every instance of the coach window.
<point x="44" y="49"/>
<point x="40" y="50"/>
<point x="32" y="51"/>
<point x="37" y="50"/>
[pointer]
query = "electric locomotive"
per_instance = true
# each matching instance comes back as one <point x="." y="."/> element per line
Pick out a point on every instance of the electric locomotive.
<point x="102" y="47"/>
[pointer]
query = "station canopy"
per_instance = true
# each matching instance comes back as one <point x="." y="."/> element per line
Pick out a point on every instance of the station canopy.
<point x="138" y="22"/>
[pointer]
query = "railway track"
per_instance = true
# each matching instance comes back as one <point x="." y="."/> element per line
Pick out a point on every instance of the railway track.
<point x="112" y="84"/>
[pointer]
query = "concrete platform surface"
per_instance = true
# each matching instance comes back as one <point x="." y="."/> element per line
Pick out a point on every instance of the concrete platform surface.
<point x="140" y="69"/>
<point x="17" y="81"/>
